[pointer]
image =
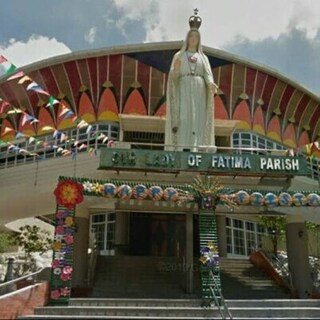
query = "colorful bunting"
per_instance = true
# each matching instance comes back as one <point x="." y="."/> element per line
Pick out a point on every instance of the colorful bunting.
<point x="16" y="75"/>
<point x="3" y="59"/>
<point x="11" y="69"/>
<point x="24" y="79"/>
<point x="33" y="86"/>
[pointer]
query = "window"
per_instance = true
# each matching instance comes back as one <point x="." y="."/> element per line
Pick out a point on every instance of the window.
<point x="253" y="140"/>
<point x="243" y="236"/>
<point x="103" y="227"/>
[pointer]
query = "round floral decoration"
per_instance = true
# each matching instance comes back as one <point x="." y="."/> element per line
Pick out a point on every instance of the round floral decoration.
<point x="69" y="193"/>
<point x="209" y="255"/>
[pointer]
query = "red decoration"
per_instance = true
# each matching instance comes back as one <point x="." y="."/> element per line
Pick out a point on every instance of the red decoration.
<point x="69" y="193"/>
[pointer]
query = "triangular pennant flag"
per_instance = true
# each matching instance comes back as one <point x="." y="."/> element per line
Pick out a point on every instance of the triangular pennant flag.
<point x="82" y="124"/>
<point x="3" y="59"/>
<point x="52" y="102"/>
<point x="89" y="128"/>
<point x="32" y="139"/>
<point x="110" y="143"/>
<point x="15" y="110"/>
<point x="11" y="69"/>
<point x="63" y="137"/>
<point x="55" y="134"/>
<point x="7" y="130"/>
<point x="26" y="118"/>
<point x="33" y="86"/>
<point x="83" y="146"/>
<point x="64" y="111"/>
<point x="24" y="79"/>
<point x="16" y="75"/>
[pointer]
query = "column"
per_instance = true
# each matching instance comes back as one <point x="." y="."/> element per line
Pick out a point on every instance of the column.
<point x="189" y="252"/>
<point x="222" y="237"/>
<point x="81" y="242"/>
<point x="298" y="255"/>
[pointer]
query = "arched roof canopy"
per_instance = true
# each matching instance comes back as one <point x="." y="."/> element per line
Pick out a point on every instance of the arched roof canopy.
<point x="99" y="84"/>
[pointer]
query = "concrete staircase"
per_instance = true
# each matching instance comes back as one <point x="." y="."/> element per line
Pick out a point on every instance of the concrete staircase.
<point x="178" y="309"/>
<point x="242" y="280"/>
<point x="139" y="277"/>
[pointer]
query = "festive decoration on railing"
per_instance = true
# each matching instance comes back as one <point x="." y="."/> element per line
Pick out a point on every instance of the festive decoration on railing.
<point x="61" y="269"/>
<point x="195" y="193"/>
<point x="209" y="194"/>
<point x="69" y="193"/>
<point x="209" y="255"/>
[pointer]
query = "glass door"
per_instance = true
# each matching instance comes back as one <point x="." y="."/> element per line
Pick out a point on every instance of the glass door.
<point x="102" y="225"/>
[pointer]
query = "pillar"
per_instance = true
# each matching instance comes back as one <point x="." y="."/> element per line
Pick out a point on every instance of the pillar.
<point x="80" y="255"/>
<point x="298" y="255"/>
<point x="189" y="252"/>
<point x="222" y="237"/>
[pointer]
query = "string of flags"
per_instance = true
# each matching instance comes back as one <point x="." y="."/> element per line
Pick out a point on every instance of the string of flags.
<point x="52" y="101"/>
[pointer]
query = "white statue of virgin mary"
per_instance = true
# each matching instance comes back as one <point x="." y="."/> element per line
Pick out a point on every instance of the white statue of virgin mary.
<point x="190" y="90"/>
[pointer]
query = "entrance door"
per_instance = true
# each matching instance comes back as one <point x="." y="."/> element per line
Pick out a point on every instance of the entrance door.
<point x="103" y="227"/>
<point x="157" y="234"/>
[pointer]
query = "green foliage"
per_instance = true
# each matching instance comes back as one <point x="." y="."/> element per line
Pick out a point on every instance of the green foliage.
<point x="33" y="239"/>
<point x="5" y="242"/>
<point x="275" y="226"/>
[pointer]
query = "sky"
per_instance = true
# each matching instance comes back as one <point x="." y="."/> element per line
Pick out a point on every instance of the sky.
<point x="282" y="34"/>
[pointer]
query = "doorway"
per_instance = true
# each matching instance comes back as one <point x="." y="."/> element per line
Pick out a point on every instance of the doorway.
<point x="157" y="234"/>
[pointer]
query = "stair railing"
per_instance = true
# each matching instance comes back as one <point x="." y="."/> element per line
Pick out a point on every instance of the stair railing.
<point x="11" y="285"/>
<point x="222" y="305"/>
<point x="279" y="265"/>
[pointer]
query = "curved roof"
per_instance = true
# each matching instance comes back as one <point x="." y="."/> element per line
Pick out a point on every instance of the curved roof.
<point x="100" y="84"/>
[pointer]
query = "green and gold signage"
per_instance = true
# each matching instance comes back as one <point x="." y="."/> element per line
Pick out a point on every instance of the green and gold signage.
<point x="211" y="163"/>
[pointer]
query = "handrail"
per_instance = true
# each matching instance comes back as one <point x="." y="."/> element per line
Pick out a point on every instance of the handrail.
<point x="284" y="270"/>
<point x="224" y="311"/>
<point x="11" y="284"/>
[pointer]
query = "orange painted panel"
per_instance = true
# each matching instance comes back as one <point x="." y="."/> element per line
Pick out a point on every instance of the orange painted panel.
<point x="27" y="128"/>
<point x="162" y="111"/>
<point x="86" y="109"/>
<point x="7" y="131"/>
<point x="242" y="113"/>
<point x="304" y="139"/>
<point x="45" y="120"/>
<point x="274" y="131"/>
<point x="258" y="121"/>
<point x="220" y="111"/>
<point x="289" y="136"/>
<point x="135" y="104"/>
<point x="108" y="107"/>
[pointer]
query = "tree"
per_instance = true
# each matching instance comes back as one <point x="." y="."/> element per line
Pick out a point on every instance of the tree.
<point x="275" y="226"/>
<point x="5" y="242"/>
<point x="33" y="239"/>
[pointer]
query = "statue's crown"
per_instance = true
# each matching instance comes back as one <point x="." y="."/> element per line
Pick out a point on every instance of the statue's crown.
<point x="195" y="21"/>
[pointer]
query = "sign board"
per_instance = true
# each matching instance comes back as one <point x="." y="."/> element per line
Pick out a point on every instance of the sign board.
<point x="211" y="163"/>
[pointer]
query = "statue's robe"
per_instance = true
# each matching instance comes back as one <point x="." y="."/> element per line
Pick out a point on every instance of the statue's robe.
<point x="190" y="105"/>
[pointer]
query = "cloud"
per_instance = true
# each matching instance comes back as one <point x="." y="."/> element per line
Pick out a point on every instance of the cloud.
<point x="223" y="21"/>
<point x="36" y="48"/>
<point x="90" y="36"/>
<point x="294" y="52"/>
